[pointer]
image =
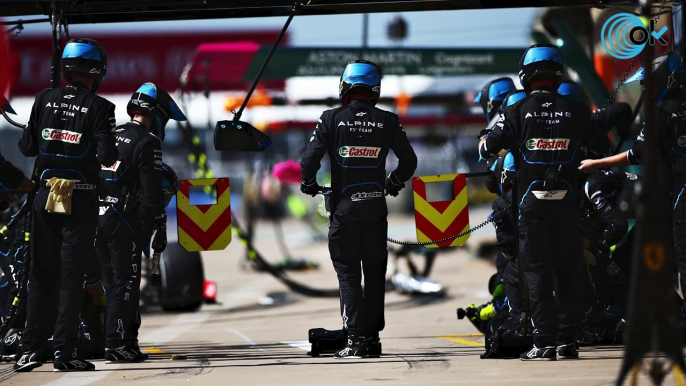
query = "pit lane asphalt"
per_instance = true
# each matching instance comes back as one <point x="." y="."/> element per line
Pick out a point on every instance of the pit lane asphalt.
<point x="241" y="342"/>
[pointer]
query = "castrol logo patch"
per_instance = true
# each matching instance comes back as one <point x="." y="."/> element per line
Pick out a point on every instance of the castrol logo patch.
<point x="61" y="135"/>
<point x="359" y="152"/>
<point x="547" y="144"/>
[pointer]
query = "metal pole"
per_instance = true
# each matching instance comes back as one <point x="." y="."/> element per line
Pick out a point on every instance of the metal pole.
<point x="56" y="54"/>
<point x="297" y="7"/>
<point x="365" y="30"/>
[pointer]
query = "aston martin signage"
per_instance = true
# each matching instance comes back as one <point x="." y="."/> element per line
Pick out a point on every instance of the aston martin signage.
<point x="289" y="62"/>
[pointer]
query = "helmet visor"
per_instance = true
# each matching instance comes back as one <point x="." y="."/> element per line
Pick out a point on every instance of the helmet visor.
<point x="176" y="113"/>
<point x="537" y="54"/>
<point x="478" y="98"/>
<point x="81" y="50"/>
<point x="364" y="73"/>
<point x="500" y="88"/>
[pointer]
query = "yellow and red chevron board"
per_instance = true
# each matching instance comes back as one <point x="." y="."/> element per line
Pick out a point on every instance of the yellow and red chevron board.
<point x="204" y="227"/>
<point x="441" y="219"/>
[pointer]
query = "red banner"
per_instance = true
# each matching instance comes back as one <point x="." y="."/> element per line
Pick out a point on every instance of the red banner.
<point x="134" y="58"/>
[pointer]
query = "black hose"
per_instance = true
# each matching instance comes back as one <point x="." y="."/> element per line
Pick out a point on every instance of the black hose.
<point x="11" y="121"/>
<point x="280" y="275"/>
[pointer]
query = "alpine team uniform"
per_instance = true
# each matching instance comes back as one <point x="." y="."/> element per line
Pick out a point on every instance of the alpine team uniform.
<point x="71" y="131"/>
<point x="358" y="137"/>
<point x="133" y="208"/>
<point x="123" y="229"/>
<point x="545" y="133"/>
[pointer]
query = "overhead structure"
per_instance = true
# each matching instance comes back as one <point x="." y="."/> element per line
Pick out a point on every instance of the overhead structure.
<point x="106" y="11"/>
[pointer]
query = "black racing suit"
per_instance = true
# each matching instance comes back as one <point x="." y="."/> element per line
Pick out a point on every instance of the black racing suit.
<point x="507" y="244"/>
<point x="545" y="132"/>
<point x="606" y="227"/>
<point x="617" y="114"/>
<point x="131" y="194"/>
<point x="671" y="125"/>
<point x="71" y="133"/>
<point x="358" y="138"/>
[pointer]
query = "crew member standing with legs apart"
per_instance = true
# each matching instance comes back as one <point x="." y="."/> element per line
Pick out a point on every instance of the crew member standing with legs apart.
<point x="133" y="207"/>
<point x="545" y="133"/>
<point x="71" y="131"/>
<point x="358" y="137"/>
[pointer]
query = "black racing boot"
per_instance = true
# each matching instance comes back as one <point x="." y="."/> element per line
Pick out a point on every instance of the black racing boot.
<point x="70" y="360"/>
<point x="136" y="348"/>
<point x="567" y="351"/>
<point x="122" y="354"/>
<point x="356" y="349"/>
<point x="539" y="354"/>
<point x="374" y="346"/>
<point x="29" y="361"/>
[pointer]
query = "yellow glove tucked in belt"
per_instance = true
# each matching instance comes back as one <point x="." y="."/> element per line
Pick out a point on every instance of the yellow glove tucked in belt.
<point x="59" y="199"/>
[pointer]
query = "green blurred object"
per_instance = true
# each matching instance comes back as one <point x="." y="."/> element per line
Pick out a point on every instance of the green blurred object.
<point x="290" y="264"/>
<point x="297" y="206"/>
<point x="487" y="312"/>
<point x="499" y="291"/>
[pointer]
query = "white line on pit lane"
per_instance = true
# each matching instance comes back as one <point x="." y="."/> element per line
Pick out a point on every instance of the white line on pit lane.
<point x="180" y="325"/>
<point x="301" y="344"/>
<point x="246" y="339"/>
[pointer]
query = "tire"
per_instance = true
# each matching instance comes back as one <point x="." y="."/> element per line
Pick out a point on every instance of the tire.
<point x="182" y="277"/>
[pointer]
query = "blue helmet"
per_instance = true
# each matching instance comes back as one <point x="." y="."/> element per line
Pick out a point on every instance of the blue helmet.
<point x="492" y="95"/>
<point x="155" y="103"/>
<point x="570" y="90"/>
<point x="170" y="183"/>
<point x="84" y="57"/>
<point x="541" y="61"/>
<point x="514" y="97"/>
<point x="360" y="76"/>
<point x="503" y="168"/>
<point x="669" y="73"/>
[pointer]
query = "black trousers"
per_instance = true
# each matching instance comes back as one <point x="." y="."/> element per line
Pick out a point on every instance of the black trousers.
<point x="551" y="249"/>
<point x="119" y="252"/>
<point x="61" y="245"/>
<point x="357" y="247"/>
<point x="511" y="283"/>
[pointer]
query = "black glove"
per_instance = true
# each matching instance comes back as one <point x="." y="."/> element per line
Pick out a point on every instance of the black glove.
<point x="393" y="185"/>
<point x="159" y="242"/>
<point x="310" y="188"/>
<point x="484" y="133"/>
